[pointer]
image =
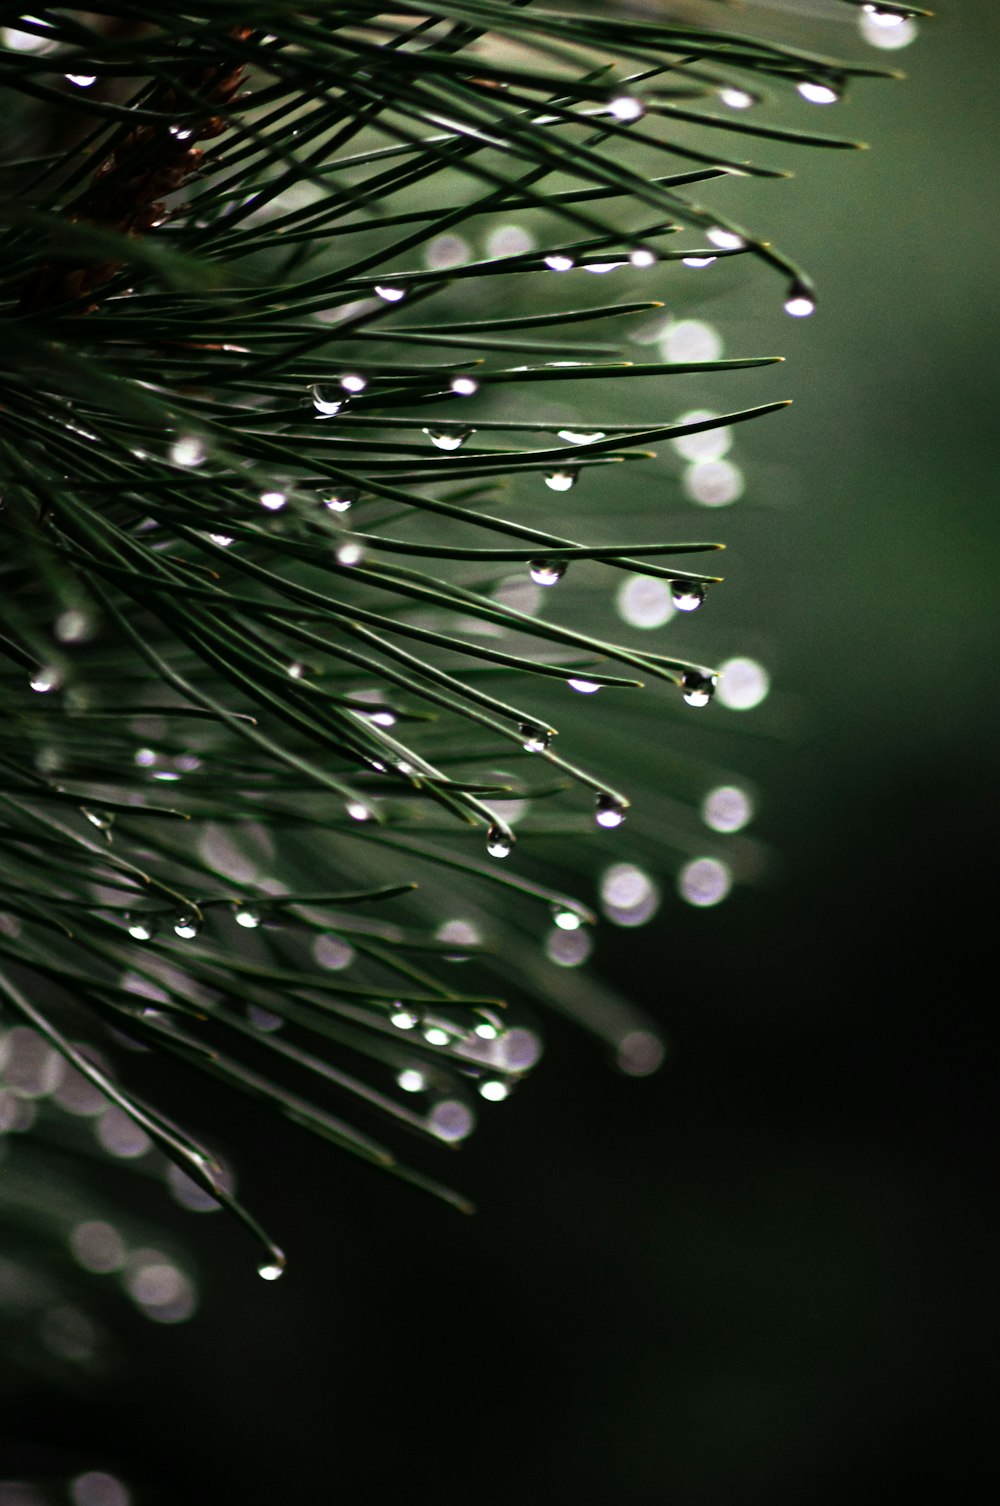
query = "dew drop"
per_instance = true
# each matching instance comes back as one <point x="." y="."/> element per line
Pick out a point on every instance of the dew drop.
<point x="139" y="928"/>
<point x="736" y="99"/>
<point x="561" y="481"/>
<point x="697" y="261"/>
<point x="403" y="1018"/>
<point x="817" y="94"/>
<point x="350" y="554"/>
<point x="296" y="671"/>
<point x="339" y="501"/>
<point x="800" y="302"/>
<point x="448" y="439"/>
<point x="222" y="539"/>
<point x="583" y="687"/>
<point x="698" y="688"/>
<point x="566" y="920"/>
<point x="435" y="1036"/>
<point x="726" y="240"/>
<point x="687" y="595"/>
<point x="499" y="842"/>
<point x="274" y="501"/>
<point x="353" y="381"/>
<point x="486" y="1031"/>
<point x="187" y="450"/>
<point x="81" y="80"/>
<point x="580" y="436"/>
<point x="47" y="677"/>
<point x="390" y="294"/>
<point x="464" y="386"/>
<point x="546" y="572"/>
<point x="493" y="1090"/>
<point x="559" y="263"/>
<point x="535" y="739"/>
<point x="410" y="1080"/>
<point x="642" y="256"/>
<point x="599" y="268"/>
<point x="187" y="925"/>
<point x="626" y="108"/>
<point x="328" y="407"/>
<point x="270" y="1270"/>
<point x="248" y="917"/>
<point x="610" y="810"/>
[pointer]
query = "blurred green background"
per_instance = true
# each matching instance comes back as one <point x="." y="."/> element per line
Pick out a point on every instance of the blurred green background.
<point x="762" y="1275"/>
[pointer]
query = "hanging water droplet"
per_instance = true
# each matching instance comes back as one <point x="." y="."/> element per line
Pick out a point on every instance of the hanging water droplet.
<point x="494" y="1090"/>
<point x="486" y="1031"/>
<point x="448" y="439"/>
<point x="81" y="80"/>
<point x="390" y="294"/>
<point x="187" y="925"/>
<point x="626" y="108"/>
<point x="187" y="450"/>
<point x="270" y="1270"/>
<point x="726" y="240"/>
<point x="350" y="553"/>
<point x="328" y="407"/>
<point x="601" y="267"/>
<point x="248" y="916"/>
<point x="340" y="501"/>
<point x="274" y="501"/>
<point x="536" y="739"/>
<point x="816" y="93"/>
<point x="610" y="810"/>
<point x="140" y="928"/>
<point x="561" y="481"/>
<point x="499" y="842"/>
<point x="435" y="1036"/>
<point x="687" y="595"/>
<point x="464" y="386"/>
<point x="736" y="99"/>
<point x="800" y="302"/>
<point x="353" y="381"/>
<point x="698" y="688"/>
<point x="410" y="1080"/>
<point x="566" y="920"/>
<point x="403" y="1018"/>
<point x="47" y="677"/>
<point x="559" y="262"/>
<point x="642" y="256"/>
<point x="546" y="572"/>
<point x="580" y="436"/>
<point x="583" y="687"/>
<point x="698" y="261"/>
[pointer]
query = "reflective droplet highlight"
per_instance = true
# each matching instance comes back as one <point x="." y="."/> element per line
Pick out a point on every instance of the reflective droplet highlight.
<point x="248" y="916"/>
<point x="800" y="302"/>
<point x="736" y="99"/>
<point x="687" y="595"/>
<point x="626" y="108"/>
<point x="493" y="1090"/>
<point x="353" y="381"/>
<point x="499" y="842"/>
<point x="610" y="810"/>
<point x="270" y="1270"/>
<point x="642" y="257"/>
<point x="697" y="261"/>
<point x="404" y="1019"/>
<point x="698" y="688"/>
<point x="464" y="386"/>
<point x="390" y="294"/>
<point x="139" y="928"/>
<point x="187" y="925"/>
<point x="410" y="1080"/>
<point x="583" y="687"/>
<point x="580" y="436"/>
<point x="726" y="240"/>
<point x="561" y="481"/>
<point x="816" y="93"/>
<point x="536" y="739"/>
<point x="559" y="263"/>
<point x="448" y="439"/>
<point x="547" y="572"/>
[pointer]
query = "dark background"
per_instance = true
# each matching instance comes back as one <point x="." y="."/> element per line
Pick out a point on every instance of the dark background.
<point x="765" y="1274"/>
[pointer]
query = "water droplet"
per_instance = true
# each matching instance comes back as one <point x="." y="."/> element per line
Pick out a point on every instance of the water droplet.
<point x="47" y="677"/>
<point x="435" y="1036"/>
<point x="561" y="481"/>
<point x="296" y="671"/>
<point x="884" y="17"/>
<point x="698" y="688"/>
<point x="403" y="1018"/>
<point x="181" y="133"/>
<point x="340" y="501"/>
<point x="222" y="539"/>
<point x="583" y="687"/>
<point x="328" y="407"/>
<point x="559" y="263"/>
<point x="736" y="99"/>
<point x="81" y="80"/>
<point x="601" y="267"/>
<point x="566" y="920"/>
<point x="498" y="841"/>
<point x="271" y="1269"/>
<point x="536" y="739"/>
<point x="187" y="450"/>
<point x="626" y="108"/>
<point x="887" y="29"/>
<point x="390" y="294"/>
<point x="610" y="810"/>
<point x="464" y="386"/>
<point x="353" y="381"/>
<point x="547" y="572"/>
<point x="493" y="1090"/>
<point x="687" y="595"/>
<point x="140" y="928"/>
<point x="642" y="256"/>
<point x="698" y="261"/>
<point x="816" y="93"/>
<point x="350" y="553"/>
<point x="580" y="436"/>
<point x="486" y="1031"/>
<point x="800" y="302"/>
<point x="248" y="916"/>
<point x="726" y="240"/>
<point x="410" y="1080"/>
<point x="727" y="808"/>
<point x="187" y="925"/>
<point x="448" y="439"/>
<point x="274" y="501"/>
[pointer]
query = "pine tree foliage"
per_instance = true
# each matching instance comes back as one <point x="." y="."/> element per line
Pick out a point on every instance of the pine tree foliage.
<point x="276" y="450"/>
